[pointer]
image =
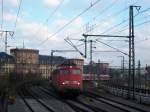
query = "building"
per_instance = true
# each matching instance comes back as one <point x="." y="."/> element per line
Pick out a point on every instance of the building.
<point x="6" y="63"/>
<point x="26" y="61"/>
<point x="96" y="68"/>
<point x="78" y="62"/>
<point x="46" y="66"/>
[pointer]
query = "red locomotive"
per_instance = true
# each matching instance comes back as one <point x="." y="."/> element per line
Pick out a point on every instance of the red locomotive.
<point x="67" y="79"/>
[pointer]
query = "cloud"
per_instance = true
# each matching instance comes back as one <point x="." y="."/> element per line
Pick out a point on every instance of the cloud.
<point x="35" y="31"/>
<point x="78" y="21"/>
<point x="61" y="22"/>
<point x="9" y="17"/>
<point x="51" y="2"/>
<point x="13" y="2"/>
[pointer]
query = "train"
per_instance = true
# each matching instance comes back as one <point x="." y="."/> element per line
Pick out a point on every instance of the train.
<point x="101" y="77"/>
<point x="68" y="79"/>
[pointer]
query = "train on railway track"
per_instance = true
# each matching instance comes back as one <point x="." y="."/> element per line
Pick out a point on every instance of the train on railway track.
<point x="68" y="79"/>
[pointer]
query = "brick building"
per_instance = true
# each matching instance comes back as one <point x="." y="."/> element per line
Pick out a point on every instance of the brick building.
<point x="26" y="61"/>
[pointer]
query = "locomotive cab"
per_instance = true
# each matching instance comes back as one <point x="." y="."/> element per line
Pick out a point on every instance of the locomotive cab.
<point x="67" y="79"/>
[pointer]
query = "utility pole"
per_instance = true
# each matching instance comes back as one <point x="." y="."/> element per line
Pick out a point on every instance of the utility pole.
<point x="11" y="33"/>
<point x="85" y="46"/>
<point x="131" y="52"/>
<point x="85" y="42"/>
<point x="139" y="74"/>
<point x="52" y="51"/>
<point x="91" y="57"/>
<point x="91" y="45"/>
<point x="122" y="64"/>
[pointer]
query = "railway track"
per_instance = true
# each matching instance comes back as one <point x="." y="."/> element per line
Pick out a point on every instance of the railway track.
<point x="140" y="90"/>
<point x="42" y="96"/>
<point x="122" y="106"/>
<point x="33" y="103"/>
<point x="53" y="102"/>
<point x="25" y="101"/>
<point x="75" y="104"/>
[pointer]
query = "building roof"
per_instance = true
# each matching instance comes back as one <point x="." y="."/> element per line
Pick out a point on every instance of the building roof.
<point x="45" y="59"/>
<point x="6" y="57"/>
<point x="24" y="50"/>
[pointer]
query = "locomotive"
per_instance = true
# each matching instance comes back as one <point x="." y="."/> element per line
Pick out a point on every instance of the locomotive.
<point x="67" y="79"/>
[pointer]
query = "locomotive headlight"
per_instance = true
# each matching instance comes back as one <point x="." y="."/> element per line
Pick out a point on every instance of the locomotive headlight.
<point x="65" y="82"/>
<point x="78" y="83"/>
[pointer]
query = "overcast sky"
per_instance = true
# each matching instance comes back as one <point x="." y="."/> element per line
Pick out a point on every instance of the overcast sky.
<point x="39" y="22"/>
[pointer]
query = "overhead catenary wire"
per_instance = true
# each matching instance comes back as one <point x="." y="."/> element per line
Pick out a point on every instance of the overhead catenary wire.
<point x="142" y="23"/>
<point x="18" y="12"/>
<point x="101" y="12"/>
<point x="49" y="16"/>
<point x="116" y="14"/>
<point x="64" y="26"/>
<point x="112" y="47"/>
<point x="54" y="11"/>
<point x="137" y="42"/>
<point x="104" y="19"/>
<point x="2" y="9"/>
<point x="104" y="10"/>
<point x="139" y="24"/>
<point x="125" y="27"/>
<point x="111" y="28"/>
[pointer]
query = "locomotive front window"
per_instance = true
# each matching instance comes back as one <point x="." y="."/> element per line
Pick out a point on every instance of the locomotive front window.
<point x="65" y="72"/>
<point x="77" y="72"/>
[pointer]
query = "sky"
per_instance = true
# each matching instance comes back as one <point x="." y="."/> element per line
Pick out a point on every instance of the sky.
<point x="39" y="24"/>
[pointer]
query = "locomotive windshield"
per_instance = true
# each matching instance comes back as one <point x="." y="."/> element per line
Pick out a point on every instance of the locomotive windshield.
<point x="73" y="71"/>
<point x="65" y="72"/>
<point x="76" y="71"/>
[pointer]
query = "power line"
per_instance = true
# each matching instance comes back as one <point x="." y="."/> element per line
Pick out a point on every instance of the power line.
<point x="63" y="27"/>
<point x="137" y="42"/>
<point x="111" y="28"/>
<point x="101" y="12"/>
<point x="19" y="7"/>
<point x="104" y="10"/>
<point x="2" y="14"/>
<point x="55" y="10"/>
<point x="142" y="23"/>
<point x="116" y="14"/>
<point x="124" y="28"/>
<point x="50" y="15"/>
<point x="145" y="22"/>
<point x="112" y="47"/>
